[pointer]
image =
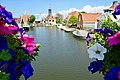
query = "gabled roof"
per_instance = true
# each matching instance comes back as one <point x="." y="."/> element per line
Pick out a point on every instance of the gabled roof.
<point x="75" y="13"/>
<point x="90" y="17"/>
<point x="50" y="17"/>
<point x="17" y="20"/>
<point x="25" y="17"/>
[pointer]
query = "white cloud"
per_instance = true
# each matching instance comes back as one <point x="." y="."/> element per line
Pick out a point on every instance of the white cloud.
<point x="87" y="8"/>
<point x="66" y="12"/>
<point x="40" y="16"/>
<point x="96" y="9"/>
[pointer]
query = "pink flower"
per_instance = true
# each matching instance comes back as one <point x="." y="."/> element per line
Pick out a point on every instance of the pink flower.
<point x="12" y="28"/>
<point x="7" y="31"/>
<point x="4" y="30"/>
<point x="113" y="40"/>
<point x="119" y="75"/>
<point x="2" y="23"/>
<point x="29" y="43"/>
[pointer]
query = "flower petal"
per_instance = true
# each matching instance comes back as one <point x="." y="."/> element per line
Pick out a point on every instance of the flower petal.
<point x="100" y="57"/>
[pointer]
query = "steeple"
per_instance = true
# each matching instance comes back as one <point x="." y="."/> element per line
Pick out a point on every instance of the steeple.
<point x="49" y="11"/>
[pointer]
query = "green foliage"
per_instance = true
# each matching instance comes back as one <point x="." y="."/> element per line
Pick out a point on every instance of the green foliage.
<point x="4" y="55"/>
<point x="112" y="57"/>
<point x="58" y="20"/>
<point x="110" y="24"/>
<point x="12" y="42"/>
<point x="73" y="20"/>
<point x="4" y="76"/>
<point x="31" y="19"/>
<point x="110" y="61"/>
<point x="21" y="55"/>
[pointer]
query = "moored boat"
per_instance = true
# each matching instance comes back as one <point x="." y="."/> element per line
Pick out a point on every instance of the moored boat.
<point x="80" y="33"/>
<point x="69" y="29"/>
<point x="59" y="26"/>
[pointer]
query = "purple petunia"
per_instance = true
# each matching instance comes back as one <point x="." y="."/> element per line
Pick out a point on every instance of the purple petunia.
<point x="95" y="66"/>
<point x="3" y="43"/>
<point x="112" y="74"/>
<point x="26" y="69"/>
<point x="7" y="16"/>
<point x="117" y="11"/>
<point x="9" y="67"/>
<point x="107" y="32"/>
<point x="15" y="66"/>
<point x="88" y="38"/>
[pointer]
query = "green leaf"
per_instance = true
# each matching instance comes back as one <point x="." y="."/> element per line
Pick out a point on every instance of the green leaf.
<point x="4" y="55"/>
<point x="4" y="76"/>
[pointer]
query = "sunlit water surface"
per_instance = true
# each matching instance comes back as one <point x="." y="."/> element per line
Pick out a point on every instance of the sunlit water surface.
<point x="61" y="57"/>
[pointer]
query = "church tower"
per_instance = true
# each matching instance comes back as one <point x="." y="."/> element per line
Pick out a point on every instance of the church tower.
<point x="49" y="11"/>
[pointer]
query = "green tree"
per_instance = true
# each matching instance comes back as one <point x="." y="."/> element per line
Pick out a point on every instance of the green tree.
<point x="58" y="20"/>
<point x="73" y="20"/>
<point x="31" y="19"/>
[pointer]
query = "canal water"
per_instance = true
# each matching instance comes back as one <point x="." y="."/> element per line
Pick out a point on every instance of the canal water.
<point x="61" y="57"/>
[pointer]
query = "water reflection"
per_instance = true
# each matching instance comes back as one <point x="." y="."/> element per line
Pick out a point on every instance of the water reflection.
<point x="62" y="56"/>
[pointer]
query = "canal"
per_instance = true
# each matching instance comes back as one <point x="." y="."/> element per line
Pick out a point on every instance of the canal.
<point x="61" y="56"/>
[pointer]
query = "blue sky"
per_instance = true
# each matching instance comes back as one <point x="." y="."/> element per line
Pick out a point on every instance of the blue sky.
<point x="19" y="7"/>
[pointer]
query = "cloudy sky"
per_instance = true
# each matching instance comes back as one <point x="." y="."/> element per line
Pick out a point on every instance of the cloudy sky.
<point x="19" y="7"/>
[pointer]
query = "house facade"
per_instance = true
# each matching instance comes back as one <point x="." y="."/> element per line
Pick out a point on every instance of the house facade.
<point x="24" y="18"/>
<point x="75" y="14"/>
<point x="85" y="20"/>
<point x="88" y="21"/>
<point x="50" y="19"/>
<point x="17" y="20"/>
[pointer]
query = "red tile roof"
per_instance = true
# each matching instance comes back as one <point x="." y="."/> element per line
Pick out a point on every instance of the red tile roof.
<point x="50" y="17"/>
<point x="90" y="17"/>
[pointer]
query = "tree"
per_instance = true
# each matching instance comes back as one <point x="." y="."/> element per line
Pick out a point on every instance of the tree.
<point x="31" y="19"/>
<point x="58" y="20"/>
<point x="73" y="20"/>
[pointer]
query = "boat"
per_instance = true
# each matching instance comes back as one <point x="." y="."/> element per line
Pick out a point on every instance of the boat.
<point x="69" y="29"/>
<point x="26" y="27"/>
<point x="59" y="26"/>
<point x="63" y="28"/>
<point x="80" y="33"/>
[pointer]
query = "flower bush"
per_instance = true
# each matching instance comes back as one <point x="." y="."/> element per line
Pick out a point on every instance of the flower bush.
<point x="104" y="48"/>
<point x="17" y="49"/>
